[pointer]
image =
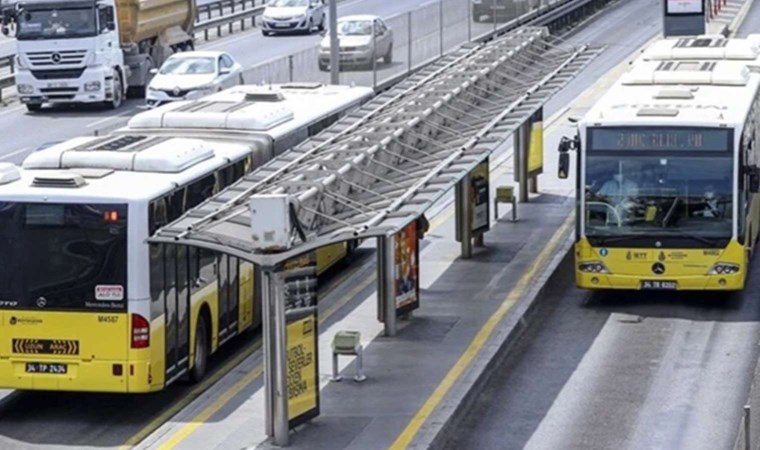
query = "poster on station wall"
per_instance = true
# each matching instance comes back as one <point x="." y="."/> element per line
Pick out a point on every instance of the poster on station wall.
<point x="536" y="146"/>
<point x="302" y="346"/>
<point x="684" y="6"/>
<point x="406" y="269"/>
<point x="479" y="194"/>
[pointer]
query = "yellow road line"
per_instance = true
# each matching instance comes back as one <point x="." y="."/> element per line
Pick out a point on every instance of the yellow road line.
<point x="230" y="393"/>
<point x="480" y="339"/>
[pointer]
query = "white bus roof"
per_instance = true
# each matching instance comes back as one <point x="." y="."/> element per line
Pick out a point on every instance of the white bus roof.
<point x="175" y="144"/>
<point x="164" y="164"/>
<point x="274" y="110"/>
<point x="709" y="92"/>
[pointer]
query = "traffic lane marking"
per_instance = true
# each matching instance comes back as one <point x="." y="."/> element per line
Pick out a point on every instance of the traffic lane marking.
<point x="480" y="339"/>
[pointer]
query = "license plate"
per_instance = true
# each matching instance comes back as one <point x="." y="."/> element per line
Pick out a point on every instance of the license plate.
<point x="56" y="368"/>
<point x="281" y="25"/>
<point x="58" y="85"/>
<point x="659" y="285"/>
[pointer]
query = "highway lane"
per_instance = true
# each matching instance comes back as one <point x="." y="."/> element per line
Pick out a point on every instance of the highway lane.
<point x="62" y="123"/>
<point x="623" y="370"/>
<point x="33" y="420"/>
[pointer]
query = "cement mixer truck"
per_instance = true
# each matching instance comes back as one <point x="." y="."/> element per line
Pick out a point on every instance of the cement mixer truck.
<point x="94" y="51"/>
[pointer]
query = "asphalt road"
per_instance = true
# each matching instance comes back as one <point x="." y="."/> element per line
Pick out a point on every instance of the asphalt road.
<point x="250" y="48"/>
<point x="623" y="370"/>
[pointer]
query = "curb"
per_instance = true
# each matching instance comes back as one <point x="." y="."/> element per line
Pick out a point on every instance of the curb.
<point x="444" y="421"/>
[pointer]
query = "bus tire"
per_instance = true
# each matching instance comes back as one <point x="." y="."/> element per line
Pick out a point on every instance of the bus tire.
<point x="201" y="350"/>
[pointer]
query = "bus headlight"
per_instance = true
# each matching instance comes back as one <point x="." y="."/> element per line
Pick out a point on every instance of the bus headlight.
<point x="593" y="267"/>
<point x="92" y="86"/>
<point x="24" y="88"/>
<point x="724" y="269"/>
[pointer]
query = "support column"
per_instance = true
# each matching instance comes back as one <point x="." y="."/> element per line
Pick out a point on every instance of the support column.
<point x="386" y="284"/>
<point x="267" y="323"/>
<point x="281" y="428"/>
<point x="463" y="213"/>
<point x="521" y="140"/>
<point x="334" y="49"/>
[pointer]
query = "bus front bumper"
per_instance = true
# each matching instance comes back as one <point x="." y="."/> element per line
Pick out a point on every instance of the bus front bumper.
<point x="79" y="376"/>
<point x="724" y="282"/>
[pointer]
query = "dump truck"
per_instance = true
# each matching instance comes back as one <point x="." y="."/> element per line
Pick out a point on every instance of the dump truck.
<point x="94" y="51"/>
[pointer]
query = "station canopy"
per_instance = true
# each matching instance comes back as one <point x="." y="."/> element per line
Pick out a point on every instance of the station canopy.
<point x="382" y="166"/>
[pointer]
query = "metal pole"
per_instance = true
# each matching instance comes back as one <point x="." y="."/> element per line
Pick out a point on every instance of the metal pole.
<point x="409" y="41"/>
<point x="374" y="56"/>
<point x="493" y="14"/>
<point x="462" y="196"/>
<point x="281" y="429"/>
<point x="747" y="421"/>
<point x="266" y="323"/>
<point x="334" y="53"/>
<point x="469" y="22"/>
<point x="386" y="283"/>
<point x="440" y="25"/>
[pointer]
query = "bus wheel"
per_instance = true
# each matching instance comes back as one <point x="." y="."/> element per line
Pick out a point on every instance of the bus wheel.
<point x="201" y="349"/>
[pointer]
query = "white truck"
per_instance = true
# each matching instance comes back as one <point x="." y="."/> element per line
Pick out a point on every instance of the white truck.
<point x="94" y="51"/>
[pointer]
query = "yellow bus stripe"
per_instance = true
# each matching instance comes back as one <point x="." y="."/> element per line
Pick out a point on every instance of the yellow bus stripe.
<point x="480" y="339"/>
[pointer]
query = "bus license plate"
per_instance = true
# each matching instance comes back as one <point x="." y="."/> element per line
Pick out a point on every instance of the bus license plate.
<point x="56" y="368"/>
<point x="659" y="285"/>
<point x="59" y="84"/>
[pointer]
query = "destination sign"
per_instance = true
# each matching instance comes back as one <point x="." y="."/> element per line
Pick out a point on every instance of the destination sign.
<point x="660" y="139"/>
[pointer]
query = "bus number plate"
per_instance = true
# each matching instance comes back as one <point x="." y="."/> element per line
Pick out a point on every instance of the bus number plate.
<point x="46" y="368"/>
<point x="658" y="284"/>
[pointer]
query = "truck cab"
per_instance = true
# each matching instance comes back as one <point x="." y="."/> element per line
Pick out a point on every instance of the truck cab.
<point x="68" y="52"/>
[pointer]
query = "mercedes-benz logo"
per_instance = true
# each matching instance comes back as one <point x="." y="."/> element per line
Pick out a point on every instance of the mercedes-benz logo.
<point x="41" y="302"/>
<point x="13" y="320"/>
<point x="658" y="268"/>
<point x="176" y="91"/>
<point x="56" y="58"/>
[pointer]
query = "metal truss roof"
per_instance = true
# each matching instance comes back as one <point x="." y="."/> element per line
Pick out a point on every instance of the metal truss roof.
<point x="382" y="166"/>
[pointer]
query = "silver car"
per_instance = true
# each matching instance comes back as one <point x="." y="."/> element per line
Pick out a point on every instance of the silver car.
<point x="359" y="46"/>
<point x="289" y="16"/>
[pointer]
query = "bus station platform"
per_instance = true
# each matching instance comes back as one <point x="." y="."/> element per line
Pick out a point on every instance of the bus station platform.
<point x="420" y="381"/>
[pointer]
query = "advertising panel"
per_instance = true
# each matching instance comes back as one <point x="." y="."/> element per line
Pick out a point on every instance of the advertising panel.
<point x="303" y="374"/>
<point x="479" y="204"/>
<point x="536" y="148"/>
<point x="406" y="269"/>
<point x="684" y="6"/>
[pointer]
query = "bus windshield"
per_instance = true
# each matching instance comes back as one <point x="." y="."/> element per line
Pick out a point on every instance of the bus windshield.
<point x="63" y="23"/>
<point x="663" y="196"/>
<point x="63" y="256"/>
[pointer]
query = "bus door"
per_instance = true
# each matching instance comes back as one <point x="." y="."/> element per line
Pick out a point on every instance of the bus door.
<point x="229" y="287"/>
<point x="177" y="311"/>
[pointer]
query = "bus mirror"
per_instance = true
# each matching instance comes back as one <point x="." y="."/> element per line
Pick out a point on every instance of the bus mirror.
<point x="5" y="30"/>
<point x="564" y="165"/>
<point x="573" y="119"/>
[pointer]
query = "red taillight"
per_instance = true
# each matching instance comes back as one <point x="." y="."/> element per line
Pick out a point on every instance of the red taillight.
<point x="140" y="331"/>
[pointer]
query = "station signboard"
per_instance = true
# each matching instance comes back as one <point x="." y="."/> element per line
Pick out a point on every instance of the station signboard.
<point x="302" y="360"/>
<point x="684" y="7"/>
<point x="406" y="269"/>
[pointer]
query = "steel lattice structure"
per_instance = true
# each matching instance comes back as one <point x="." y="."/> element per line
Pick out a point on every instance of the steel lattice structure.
<point x="382" y="166"/>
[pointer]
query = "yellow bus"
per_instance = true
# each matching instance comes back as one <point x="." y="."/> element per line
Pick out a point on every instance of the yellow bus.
<point x="667" y="170"/>
<point x="85" y="303"/>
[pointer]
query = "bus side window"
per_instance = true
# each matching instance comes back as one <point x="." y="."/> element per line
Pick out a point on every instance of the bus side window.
<point x="176" y="204"/>
<point x="200" y="191"/>
<point x="158" y="215"/>
<point x="156" y="279"/>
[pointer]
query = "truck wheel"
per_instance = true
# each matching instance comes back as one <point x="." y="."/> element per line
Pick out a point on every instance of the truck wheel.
<point x="388" y="57"/>
<point x="117" y="96"/>
<point x="33" y="107"/>
<point x="322" y="24"/>
<point x="201" y="350"/>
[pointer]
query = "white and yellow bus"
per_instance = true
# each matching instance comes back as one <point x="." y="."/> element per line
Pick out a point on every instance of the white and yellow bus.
<point x="667" y="171"/>
<point x="85" y="303"/>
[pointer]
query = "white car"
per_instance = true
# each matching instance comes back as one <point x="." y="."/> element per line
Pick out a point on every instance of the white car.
<point x="356" y="43"/>
<point x="288" y="16"/>
<point x="191" y="75"/>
